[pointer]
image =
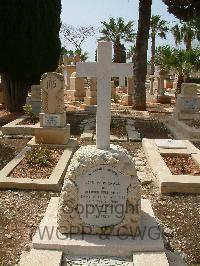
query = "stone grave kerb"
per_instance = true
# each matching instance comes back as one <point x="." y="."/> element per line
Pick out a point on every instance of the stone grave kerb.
<point x="104" y="69"/>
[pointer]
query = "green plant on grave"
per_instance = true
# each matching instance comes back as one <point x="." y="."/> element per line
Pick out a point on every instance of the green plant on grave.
<point x="39" y="155"/>
<point x="115" y="98"/>
<point x="29" y="111"/>
<point x="113" y="123"/>
<point x="195" y="123"/>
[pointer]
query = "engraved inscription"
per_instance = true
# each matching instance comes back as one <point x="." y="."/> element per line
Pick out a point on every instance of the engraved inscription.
<point x="102" y="196"/>
<point x="51" y="120"/>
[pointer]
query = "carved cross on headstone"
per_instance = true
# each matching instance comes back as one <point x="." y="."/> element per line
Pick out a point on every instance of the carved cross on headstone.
<point x="52" y="93"/>
<point x="104" y="70"/>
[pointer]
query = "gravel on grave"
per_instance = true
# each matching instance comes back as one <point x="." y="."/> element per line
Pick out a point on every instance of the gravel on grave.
<point x="111" y="261"/>
<point x="28" y="121"/>
<point x="25" y="169"/>
<point x="7" y="117"/>
<point x="181" y="164"/>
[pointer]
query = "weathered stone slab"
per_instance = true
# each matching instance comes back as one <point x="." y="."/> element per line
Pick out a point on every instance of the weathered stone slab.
<point x="170" y="144"/>
<point x="38" y="257"/>
<point x="150" y="259"/>
<point x="150" y="239"/>
<point x="13" y="128"/>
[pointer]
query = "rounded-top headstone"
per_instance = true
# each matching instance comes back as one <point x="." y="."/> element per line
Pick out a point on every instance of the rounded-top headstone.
<point x="101" y="193"/>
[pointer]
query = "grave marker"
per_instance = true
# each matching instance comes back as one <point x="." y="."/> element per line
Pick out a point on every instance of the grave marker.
<point x="104" y="70"/>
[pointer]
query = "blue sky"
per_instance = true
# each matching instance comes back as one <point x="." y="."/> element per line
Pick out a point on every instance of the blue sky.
<point x="92" y="12"/>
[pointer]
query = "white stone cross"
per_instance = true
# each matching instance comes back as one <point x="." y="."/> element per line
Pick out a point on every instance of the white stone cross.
<point x="104" y="70"/>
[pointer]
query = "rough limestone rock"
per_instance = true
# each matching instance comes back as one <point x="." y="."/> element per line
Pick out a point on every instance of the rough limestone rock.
<point x="85" y="159"/>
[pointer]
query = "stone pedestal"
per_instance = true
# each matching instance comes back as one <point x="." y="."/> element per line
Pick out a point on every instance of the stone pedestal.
<point x="35" y="99"/>
<point x="68" y="70"/>
<point x="91" y="92"/>
<point x="50" y="135"/>
<point x="127" y="99"/>
<point x="101" y="194"/>
<point x="151" y="85"/>
<point x="113" y="88"/>
<point x="77" y="88"/>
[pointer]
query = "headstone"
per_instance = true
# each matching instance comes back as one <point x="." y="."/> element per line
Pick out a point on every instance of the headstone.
<point x="122" y="82"/>
<point x="127" y="98"/>
<point x="188" y="102"/>
<point x="67" y="72"/>
<point x="77" y="89"/>
<point x="101" y="193"/>
<point x="91" y="93"/>
<point x="35" y="99"/>
<point x="53" y="128"/>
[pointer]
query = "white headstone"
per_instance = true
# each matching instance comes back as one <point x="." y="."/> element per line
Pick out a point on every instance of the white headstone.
<point x="103" y="70"/>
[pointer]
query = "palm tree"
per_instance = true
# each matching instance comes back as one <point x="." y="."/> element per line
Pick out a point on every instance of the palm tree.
<point x="116" y="31"/>
<point x="131" y="53"/>
<point x="186" y="32"/>
<point x="182" y="62"/>
<point x="140" y="70"/>
<point x="159" y="28"/>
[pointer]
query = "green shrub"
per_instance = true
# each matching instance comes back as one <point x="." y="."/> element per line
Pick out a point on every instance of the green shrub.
<point x="195" y="123"/>
<point x="39" y="155"/>
<point x="115" y="98"/>
<point x="28" y="111"/>
<point x="113" y="123"/>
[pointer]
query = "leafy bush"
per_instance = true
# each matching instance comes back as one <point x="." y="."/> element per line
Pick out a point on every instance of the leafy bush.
<point x="195" y="123"/>
<point x="28" y="111"/>
<point x="115" y="98"/>
<point x="113" y="123"/>
<point x="39" y="155"/>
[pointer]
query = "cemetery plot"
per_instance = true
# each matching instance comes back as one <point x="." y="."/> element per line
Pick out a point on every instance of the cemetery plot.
<point x="187" y="129"/>
<point x="177" y="169"/>
<point x="20" y="126"/>
<point x="37" y="172"/>
<point x="150" y="129"/>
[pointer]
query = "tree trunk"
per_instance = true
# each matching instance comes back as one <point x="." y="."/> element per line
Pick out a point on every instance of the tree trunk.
<point x="140" y="71"/>
<point x="15" y="92"/>
<point x="117" y="51"/>
<point x="153" y="49"/>
<point x="179" y="83"/>
<point x="188" y="44"/>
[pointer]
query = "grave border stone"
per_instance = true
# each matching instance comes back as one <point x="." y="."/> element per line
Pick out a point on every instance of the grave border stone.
<point x="54" y="182"/>
<point x="169" y="183"/>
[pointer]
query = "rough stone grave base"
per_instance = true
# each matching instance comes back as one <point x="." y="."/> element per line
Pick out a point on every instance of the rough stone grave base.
<point x="54" y="182"/>
<point x="48" y="237"/>
<point x="13" y="128"/>
<point x="168" y="182"/>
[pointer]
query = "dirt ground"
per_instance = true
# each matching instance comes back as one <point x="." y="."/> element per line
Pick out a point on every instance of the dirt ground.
<point x="21" y="211"/>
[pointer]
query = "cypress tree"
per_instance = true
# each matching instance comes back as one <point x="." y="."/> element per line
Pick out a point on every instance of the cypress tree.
<point x="29" y="45"/>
